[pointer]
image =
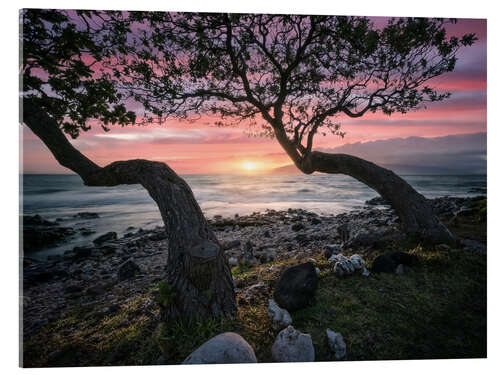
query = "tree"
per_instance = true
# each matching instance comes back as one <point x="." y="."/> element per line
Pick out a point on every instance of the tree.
<point x="291" y="76"/>
<point x="67" y="88"/>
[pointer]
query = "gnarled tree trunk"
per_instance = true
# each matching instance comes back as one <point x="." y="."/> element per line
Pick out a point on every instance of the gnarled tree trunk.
<point x="414" y="210"/>
<point x="197" y="271"/>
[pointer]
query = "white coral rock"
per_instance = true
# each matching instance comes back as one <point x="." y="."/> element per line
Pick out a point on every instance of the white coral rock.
<point x="357" y="261"/>
<point x="336" y="343"/>
<point x="281" y="317"/>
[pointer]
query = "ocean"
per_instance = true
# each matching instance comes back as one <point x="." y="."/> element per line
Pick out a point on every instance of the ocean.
<point x="62" y="196"/>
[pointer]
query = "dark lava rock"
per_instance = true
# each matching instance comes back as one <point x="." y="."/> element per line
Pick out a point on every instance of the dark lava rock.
<point x="73" y="289"/>
<point x="42" y="273"/>
<point x="86" y="231"/>
<point x="389" y="261"/>
<point x="376" y="201"/>
<point x="302" y="239"/>
<point x="109" y="248"/>
<point x="87" y="215"/>
<point x="384" y="263"/>
<point x="110" y="236"/>
<point x="297" y="226"/>
<point x="82" y="251"/>
<point x="315" y="221"/>
<point x="343" y="232"/>
<point x="296" y="287"/>
<point x="37" y="220"/>
<point x="127" y="270"/>
<point x="248" y="246"/>
<point x="38" y="232"/>
<point x="96" y="289"/>
<point x="406" y="259"/>
<point x="158" y="236"/>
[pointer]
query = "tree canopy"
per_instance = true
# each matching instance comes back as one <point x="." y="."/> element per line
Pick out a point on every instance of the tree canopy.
<point x="61" y="66"/>
<point x="290" y="75"/>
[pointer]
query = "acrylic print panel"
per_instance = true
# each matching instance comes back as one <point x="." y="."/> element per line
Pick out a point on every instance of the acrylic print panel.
<point x="239" y="188"/>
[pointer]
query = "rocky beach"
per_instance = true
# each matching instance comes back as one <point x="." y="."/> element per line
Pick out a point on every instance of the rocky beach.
<point x="115" y="279"/>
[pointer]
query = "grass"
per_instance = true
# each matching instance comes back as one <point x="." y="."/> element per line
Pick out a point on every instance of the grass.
<point x="86" y="338"/>
<point x="435" y="310"/>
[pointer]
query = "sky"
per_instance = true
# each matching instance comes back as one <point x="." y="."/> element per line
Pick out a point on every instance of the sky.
<point x="198" y="148"/>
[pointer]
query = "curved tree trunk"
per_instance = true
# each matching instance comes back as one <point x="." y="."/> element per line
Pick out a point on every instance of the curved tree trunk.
<point x="415" y="212"/>
<point x="197" y="271"/>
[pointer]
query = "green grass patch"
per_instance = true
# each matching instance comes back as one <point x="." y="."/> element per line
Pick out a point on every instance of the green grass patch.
<point x="86" y="338"/>
<point x="435" y="310"/>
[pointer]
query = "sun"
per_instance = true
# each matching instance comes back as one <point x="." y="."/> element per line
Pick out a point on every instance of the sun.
<point x="249" y="166"/>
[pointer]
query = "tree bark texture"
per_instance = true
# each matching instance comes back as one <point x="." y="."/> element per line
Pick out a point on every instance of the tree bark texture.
<point x="414" y="210"/>
<point x="197" y="270"/>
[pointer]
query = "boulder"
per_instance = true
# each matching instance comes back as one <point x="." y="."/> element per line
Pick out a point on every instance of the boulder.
<point x="315" y="221"/>
<point x="281" y="318"/>
<point x="82" y="251"/>
<point x="39" y="232"/>
<point x="266" y="255"/>
<point x="344" y="266"/>
<point x="336" y="343"/>
<point x="247" y="255"/>
<point x="297" y="226"/>
<point x="376" y="201"/>
<point x="384" y="263"/>
<point x="110" y="236"/>
<point x="404" y="258"/>
<point x="127" y="270"/>
<point x="372" y="235"/>
<point x="357" y="262"/>
<point x="293" y="346"/>
<point x="158" y="235"/>
<point x="296" y="287"/>
<point x="227" y="347"/>
<point x="364" y="237"/>
<point x="388" y="262"/>
<point x="228" y="245"/>
<point x="37" y="220"/>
